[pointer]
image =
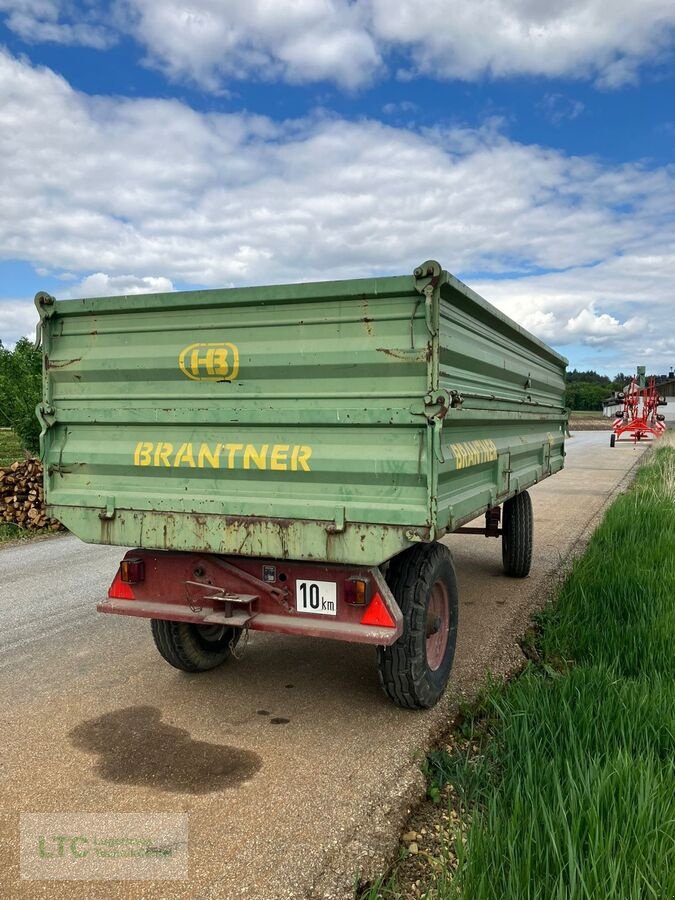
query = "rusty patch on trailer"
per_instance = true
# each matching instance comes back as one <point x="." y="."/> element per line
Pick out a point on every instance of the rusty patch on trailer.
<point x="409" y="356"/>
<point x="61" y="365"/>
<point x="366" y="319"/>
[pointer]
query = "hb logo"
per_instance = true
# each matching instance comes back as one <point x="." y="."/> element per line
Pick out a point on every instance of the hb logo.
<point x="210" y="362"/>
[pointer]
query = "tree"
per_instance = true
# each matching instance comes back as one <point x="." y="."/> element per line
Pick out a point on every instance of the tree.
<point x="585" y="396"/>
<point x="588" y="377"/>
<point x="21" y="390"/>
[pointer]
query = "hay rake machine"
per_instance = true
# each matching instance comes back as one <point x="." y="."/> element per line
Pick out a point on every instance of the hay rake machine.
<point x="639" y="419"/>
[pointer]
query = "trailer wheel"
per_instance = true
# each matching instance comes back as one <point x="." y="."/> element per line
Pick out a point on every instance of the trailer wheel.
<point x="415" y="670"/>
<point x="517" y="535"/>
<point x="193" y="648"/>
<point x="612" y="440"/>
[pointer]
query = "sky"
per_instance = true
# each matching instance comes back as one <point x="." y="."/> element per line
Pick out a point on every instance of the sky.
<point x="528" y="145"/>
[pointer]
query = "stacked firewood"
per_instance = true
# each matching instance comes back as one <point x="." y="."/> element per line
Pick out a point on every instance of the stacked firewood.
<point x="22" y="496"/>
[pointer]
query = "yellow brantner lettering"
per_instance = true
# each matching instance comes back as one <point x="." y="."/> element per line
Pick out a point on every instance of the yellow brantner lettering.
<point x="143" y="453"/>
<point x="206" y="454"/>
<point x="473" y="453"/>
<point x="232" y="451"/>
<point x="162" y="453"/>
<point x="259" y="457"/>
<point x="455" y="452"/>
<point x="279" y="457"/>
<point x="460" y="455"/>
<point x="299" y="457"/>
<point x="184" y="455"/>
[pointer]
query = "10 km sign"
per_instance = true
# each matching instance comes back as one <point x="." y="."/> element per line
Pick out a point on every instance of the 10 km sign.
<point x="319" y="597"/>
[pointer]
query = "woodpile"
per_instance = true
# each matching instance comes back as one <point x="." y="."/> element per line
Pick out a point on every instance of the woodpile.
<point x="22" y="496"/>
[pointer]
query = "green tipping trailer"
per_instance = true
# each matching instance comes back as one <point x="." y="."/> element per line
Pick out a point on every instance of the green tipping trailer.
<point x="285" y="458"/>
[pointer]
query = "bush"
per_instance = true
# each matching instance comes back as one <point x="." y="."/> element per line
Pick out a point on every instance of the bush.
<point x="21" y="390"/>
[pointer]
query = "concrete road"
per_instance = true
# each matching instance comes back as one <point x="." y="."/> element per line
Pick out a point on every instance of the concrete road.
<point x="296" y="773"/>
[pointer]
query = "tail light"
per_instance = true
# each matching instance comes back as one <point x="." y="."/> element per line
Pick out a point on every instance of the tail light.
<point x="132" y="570"/>
<point x="357" y="592"/>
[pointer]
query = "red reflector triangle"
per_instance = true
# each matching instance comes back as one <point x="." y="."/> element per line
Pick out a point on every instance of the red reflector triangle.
<point x="378" y="614"/>
<point x="120" y="590"/>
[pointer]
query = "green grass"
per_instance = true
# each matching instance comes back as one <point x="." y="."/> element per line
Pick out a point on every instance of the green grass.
<point x="9" y="532"/>
<point x="571" y="795"/>
<point x="10" y="447"/>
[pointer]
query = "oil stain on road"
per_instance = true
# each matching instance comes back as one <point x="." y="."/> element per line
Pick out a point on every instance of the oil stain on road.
<point x="134" y="746"/>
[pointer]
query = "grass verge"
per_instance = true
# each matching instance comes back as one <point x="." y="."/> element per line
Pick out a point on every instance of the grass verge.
<point x="14" y="533"/>
<point x="564" y="786"/>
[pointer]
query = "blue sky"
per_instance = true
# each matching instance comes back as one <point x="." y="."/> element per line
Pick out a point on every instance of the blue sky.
<point x="151" y="145"/>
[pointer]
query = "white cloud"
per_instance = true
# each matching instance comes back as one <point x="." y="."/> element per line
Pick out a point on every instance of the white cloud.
<point x="18" y="318"/>
<point x="621" y="309"/>
<point x="38" y="21"/>
<point x="214" y="41"/>
<point x="101" y="285"/>
<point x="154" y="188"/>
<point x="590" y="38"/>
<point x="211" y="41"/>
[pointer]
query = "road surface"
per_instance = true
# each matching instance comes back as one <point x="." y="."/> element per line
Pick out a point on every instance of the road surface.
<point x="294" y="770"/>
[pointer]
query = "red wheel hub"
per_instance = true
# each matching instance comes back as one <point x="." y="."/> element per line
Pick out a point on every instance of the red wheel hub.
<point x="438" y="625"/>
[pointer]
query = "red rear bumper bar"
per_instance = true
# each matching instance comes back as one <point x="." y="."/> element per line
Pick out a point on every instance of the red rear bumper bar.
<point x="263" y="595"/>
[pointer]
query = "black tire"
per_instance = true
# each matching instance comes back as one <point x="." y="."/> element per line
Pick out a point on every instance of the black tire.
<point x="193" y="648"/>
<point x="422" y="579"/>
<point x="517" y="535"/>
<point x="612" y="440"/>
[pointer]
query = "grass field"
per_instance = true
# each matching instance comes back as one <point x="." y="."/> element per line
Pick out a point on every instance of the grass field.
<point x="589" y="420"/>
<point x="564" y="781"/>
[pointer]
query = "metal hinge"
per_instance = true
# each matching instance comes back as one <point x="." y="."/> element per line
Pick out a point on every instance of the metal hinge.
<point x="436" y="406"/>
<point x="427" y="279"/>
<point x="339" y="525"/>
<point x="109" y="512"/>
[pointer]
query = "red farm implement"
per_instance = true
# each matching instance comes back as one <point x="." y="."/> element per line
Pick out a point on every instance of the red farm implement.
<point x="639" y="418"/>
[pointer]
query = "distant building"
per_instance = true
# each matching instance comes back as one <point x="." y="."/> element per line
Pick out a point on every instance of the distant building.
<point x="667" y="388"/>
<point x="666" y="385"/>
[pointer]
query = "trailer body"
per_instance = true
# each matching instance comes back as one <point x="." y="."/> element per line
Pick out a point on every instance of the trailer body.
<point x="338" y="421"/>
